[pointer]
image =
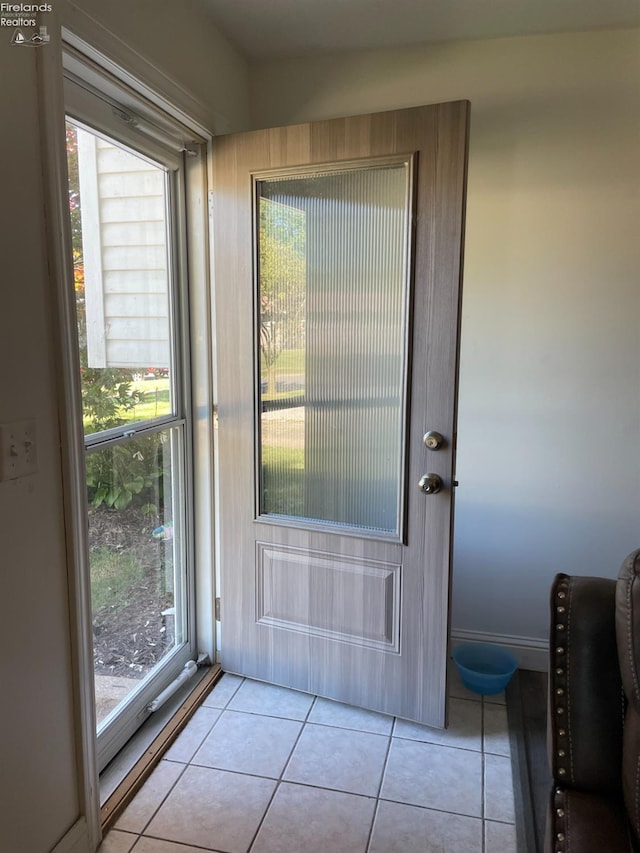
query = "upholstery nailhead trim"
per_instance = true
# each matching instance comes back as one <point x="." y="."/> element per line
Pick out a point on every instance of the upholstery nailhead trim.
<point x="559" y="822"/>
<point x="559" y="670"/>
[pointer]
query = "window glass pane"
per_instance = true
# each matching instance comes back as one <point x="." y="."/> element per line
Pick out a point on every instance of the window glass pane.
<point x="333" y="284"/>
<point x="136" y="560"/>
<point x="118" y="203"/>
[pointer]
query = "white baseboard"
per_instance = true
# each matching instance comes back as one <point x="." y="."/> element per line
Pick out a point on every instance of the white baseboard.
<point x="530" y="652"/>
<point x="76" y="840"/>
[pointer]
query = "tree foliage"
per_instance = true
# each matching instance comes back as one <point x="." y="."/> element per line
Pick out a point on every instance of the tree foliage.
<point x="282" y="258"/>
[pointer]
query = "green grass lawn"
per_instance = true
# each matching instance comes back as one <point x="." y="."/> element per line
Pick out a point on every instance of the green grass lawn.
<point x="290" y="364"/>
<point x="156" y="402"/>
<point x="283" y="480"/>
<point x="290" y="361"/>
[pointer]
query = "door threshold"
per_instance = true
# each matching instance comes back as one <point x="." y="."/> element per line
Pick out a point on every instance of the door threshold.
<point x="128" y="771"/>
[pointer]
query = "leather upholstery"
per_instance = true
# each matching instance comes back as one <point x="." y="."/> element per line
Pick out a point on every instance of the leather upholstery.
<point x="580" y="822"/>
<point x="586" y="701"/>
<point x="628" y="634"/>
<point x="594" y="724"/>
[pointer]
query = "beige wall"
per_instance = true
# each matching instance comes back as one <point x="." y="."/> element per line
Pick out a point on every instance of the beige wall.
<point x="179" y="40"/>
<point x="40" y="786"/>
<point x="549" y="464"/>
<point x="39" y="797"/>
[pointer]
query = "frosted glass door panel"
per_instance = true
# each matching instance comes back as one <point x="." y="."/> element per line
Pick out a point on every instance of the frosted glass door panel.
<point x="333" y="293"/>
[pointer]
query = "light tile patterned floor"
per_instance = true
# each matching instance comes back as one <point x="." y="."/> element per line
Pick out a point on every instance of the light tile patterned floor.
<point x="269" y="770"/>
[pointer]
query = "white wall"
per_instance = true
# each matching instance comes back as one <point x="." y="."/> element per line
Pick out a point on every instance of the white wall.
<point x="549" y="423"/>
<point x="40" y="784"/>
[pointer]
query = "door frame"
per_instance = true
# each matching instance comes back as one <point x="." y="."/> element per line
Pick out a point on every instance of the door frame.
<point x="137" y="73"/>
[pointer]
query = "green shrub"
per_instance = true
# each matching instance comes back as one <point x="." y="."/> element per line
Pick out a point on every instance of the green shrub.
<point x="134" y="468"/>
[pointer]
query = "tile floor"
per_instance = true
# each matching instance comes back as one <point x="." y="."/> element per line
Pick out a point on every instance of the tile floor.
<point x="269" y="770"/>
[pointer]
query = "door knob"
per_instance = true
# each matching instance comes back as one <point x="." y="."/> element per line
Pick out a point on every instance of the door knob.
<point x="430" y="484"/>
<point x="433" y="440"/>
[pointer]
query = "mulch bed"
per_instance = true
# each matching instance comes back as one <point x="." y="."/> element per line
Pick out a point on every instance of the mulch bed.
<point x="131" y="637"/>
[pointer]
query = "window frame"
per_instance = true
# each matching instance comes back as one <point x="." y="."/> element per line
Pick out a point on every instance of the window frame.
<point x="110" y="109"/>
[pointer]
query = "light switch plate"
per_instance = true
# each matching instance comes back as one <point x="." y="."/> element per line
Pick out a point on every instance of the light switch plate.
<point x="18" y="452"/>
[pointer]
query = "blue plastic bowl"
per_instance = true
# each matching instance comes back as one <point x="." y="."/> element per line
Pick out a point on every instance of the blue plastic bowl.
<point x="484" y="668"/>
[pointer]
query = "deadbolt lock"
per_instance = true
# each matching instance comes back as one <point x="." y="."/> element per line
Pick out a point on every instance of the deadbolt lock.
<point x="433" y="440"/>
<point x="430" y="484"/>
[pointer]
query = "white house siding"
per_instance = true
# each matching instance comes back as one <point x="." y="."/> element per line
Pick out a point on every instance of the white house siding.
<point x="123" y="206"/>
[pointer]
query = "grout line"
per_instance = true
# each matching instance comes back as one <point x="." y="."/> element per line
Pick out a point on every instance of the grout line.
<point x="350" y="728"/>
<point x="415" y="805"/>
<point x="305" y="722"/>
<point x="435" y="743"/>
<point x="162" y="801"/>
<point x="345" y="729"/>
<point x="465" y="699"/>
<point x="381" y="783"/>
<point x="263" y="714"/>
<point x="213" y="725"/>
<point x="225" y="706"/>
<point x="373" y="823"/>
<point x="394" y="725"/>
<point x="503" y="822"/>
<point x="280" y="779"/>
<point x="264" y="816"/>
<point x="384" y="765"/>
<point x="123" y="832"/>
<point x="176" y="844"/>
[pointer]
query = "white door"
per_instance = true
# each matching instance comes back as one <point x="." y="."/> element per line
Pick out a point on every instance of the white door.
<point x="338" y="250"/>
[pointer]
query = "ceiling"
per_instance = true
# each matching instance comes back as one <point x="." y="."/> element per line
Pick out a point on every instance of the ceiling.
<point x="267" y="29"/>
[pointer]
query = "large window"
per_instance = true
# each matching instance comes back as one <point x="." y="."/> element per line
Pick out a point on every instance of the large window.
<point x="126" y="199"/>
